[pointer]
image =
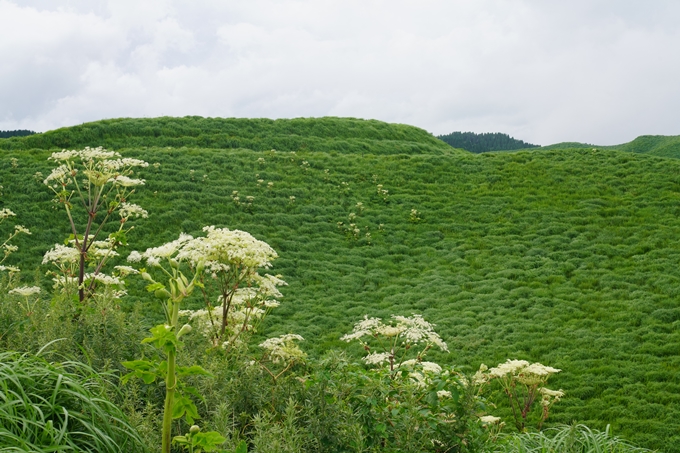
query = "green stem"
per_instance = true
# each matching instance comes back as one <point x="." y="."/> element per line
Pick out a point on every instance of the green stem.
<point x="170" y="382"/>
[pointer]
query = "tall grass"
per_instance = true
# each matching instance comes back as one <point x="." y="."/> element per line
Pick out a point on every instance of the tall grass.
<point x="49" y="407"/>
<point x="568" y="439"/>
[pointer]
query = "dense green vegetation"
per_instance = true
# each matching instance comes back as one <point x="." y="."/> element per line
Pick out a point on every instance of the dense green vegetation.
<point x="480" y="143"/>
<point x="567" y="257"/>
<point x="655" y="145"/>
<point x="16" y="133"/>
<point x="344" y="135"/>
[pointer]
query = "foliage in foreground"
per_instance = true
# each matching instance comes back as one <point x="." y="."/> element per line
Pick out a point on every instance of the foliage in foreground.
<point x="59" y="407"/>
<point x="566" y="439"/>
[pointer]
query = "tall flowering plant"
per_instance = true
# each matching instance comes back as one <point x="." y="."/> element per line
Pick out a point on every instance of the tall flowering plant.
<point x="97" y="184"/>
<point x="237" y="297"/>
<point x="168" y="261"/>
<point x="6" y="247"/>
<point x="224" y="266"/>
<point x="392" y="342"/>
<point x="523" y="383"/>
<point x="405" y="400"/>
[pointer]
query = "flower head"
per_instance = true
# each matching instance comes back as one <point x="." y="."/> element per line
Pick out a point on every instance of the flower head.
<point x="25" y="291"/>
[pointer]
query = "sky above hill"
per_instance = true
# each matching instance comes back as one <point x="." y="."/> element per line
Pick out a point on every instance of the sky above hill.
<point x="596" y="71"/>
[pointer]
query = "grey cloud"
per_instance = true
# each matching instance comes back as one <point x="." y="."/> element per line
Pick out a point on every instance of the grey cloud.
<point x="598" y="71"/>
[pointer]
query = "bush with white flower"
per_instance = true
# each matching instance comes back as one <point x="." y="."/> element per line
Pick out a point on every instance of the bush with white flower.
<point x="524" y="384"/>
<point x="96" y="184"/>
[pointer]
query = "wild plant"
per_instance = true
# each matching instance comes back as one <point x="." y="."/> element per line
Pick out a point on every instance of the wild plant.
<point x="574" y="438"/>
<point x="237" y="298"/>
<point x="7" y="247"/>
<point x="396" y="341"/>
<point x="102" y="192"/>
<point x="49" y="407"/>
<point x="523" y="383"/>
<point x="168" y="260"/>
<point x="281" y="352"/>
<point x="231" y="259"/>
<point x="404" y="402"/>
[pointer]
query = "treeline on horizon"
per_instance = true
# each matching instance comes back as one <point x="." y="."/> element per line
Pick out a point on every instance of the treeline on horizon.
<point x="16" y="133"/>
<point x="481" y="143"/>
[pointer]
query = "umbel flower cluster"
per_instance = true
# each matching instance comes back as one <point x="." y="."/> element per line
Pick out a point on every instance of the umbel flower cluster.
<point x="99" y="168"/>
<point x="98" y="182"/>
<point x="236" y="296"/>
<point x="523" y="383"/>
<point x="7" y="247"/>
<point x="395" y="338"/>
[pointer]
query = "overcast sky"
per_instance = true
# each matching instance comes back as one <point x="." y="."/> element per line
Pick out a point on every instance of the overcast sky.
<point x="596" y="71"/>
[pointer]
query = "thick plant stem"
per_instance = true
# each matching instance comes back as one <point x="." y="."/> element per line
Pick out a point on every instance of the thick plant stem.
<point x="170" y="382"/>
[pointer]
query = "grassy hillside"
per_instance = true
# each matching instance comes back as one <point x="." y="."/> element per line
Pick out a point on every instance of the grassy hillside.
<point x="569" y="258"/>
<point x="654" y="145"/>
<point x="328" y="134"/>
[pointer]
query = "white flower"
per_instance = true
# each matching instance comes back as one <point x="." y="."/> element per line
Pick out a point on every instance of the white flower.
<point x="443" y="394"/>
<point x="377" y="358"/>
<point x="224" y="246"/>
<point x="58" y="174"/>
<point x="512" y="367"/>
<point x="431" y="367"/>
<point x="98" y="153"/>
<point x="5" y="213"/>
<point x="126" y="270"/>
<point x="63" y="155"/>
<point x="134" y="257"/>
<point x="166" y="250"/>
<point x="104" y="279"/>
<point x="540" y="370"/>
<point x="282" y="348"/>
<point x="21" y="229"/>
<point x="128" y="210"/>
<point x="489" y="419"/>
<point x="363" y="328"/>
<point x="428" y="367"/>
<point x="25" y="291"/>
<point x="124" y="181"/>
<point x="61" y="254"/>
<point x="10" y="269"/>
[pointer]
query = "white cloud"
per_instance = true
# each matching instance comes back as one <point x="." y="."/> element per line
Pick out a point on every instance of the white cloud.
<point x="599" y="71"/>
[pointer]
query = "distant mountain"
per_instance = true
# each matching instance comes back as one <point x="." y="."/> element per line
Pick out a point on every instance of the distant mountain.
<point x="17" y="133"/>
<point x="480" y="143"/>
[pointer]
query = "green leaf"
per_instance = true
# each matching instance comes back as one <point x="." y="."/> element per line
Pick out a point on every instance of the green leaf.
<point x="209" y="441"/>
<point x="194" y="370"/>
<point x="432" y="398"/>
<point x="142" y="369"/>
<point x="163" y="337"/>
<point x="242" y="447"/>
<point x="183" y="406"/>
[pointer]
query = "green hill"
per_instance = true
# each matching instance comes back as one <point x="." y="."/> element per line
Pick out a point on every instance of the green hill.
<point x="569" y="258"/>
<point x="329" y="134"/>
<point x="654" y="145"/>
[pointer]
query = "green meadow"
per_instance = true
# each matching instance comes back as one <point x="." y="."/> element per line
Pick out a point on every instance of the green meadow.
<point x="566" y="256"/>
